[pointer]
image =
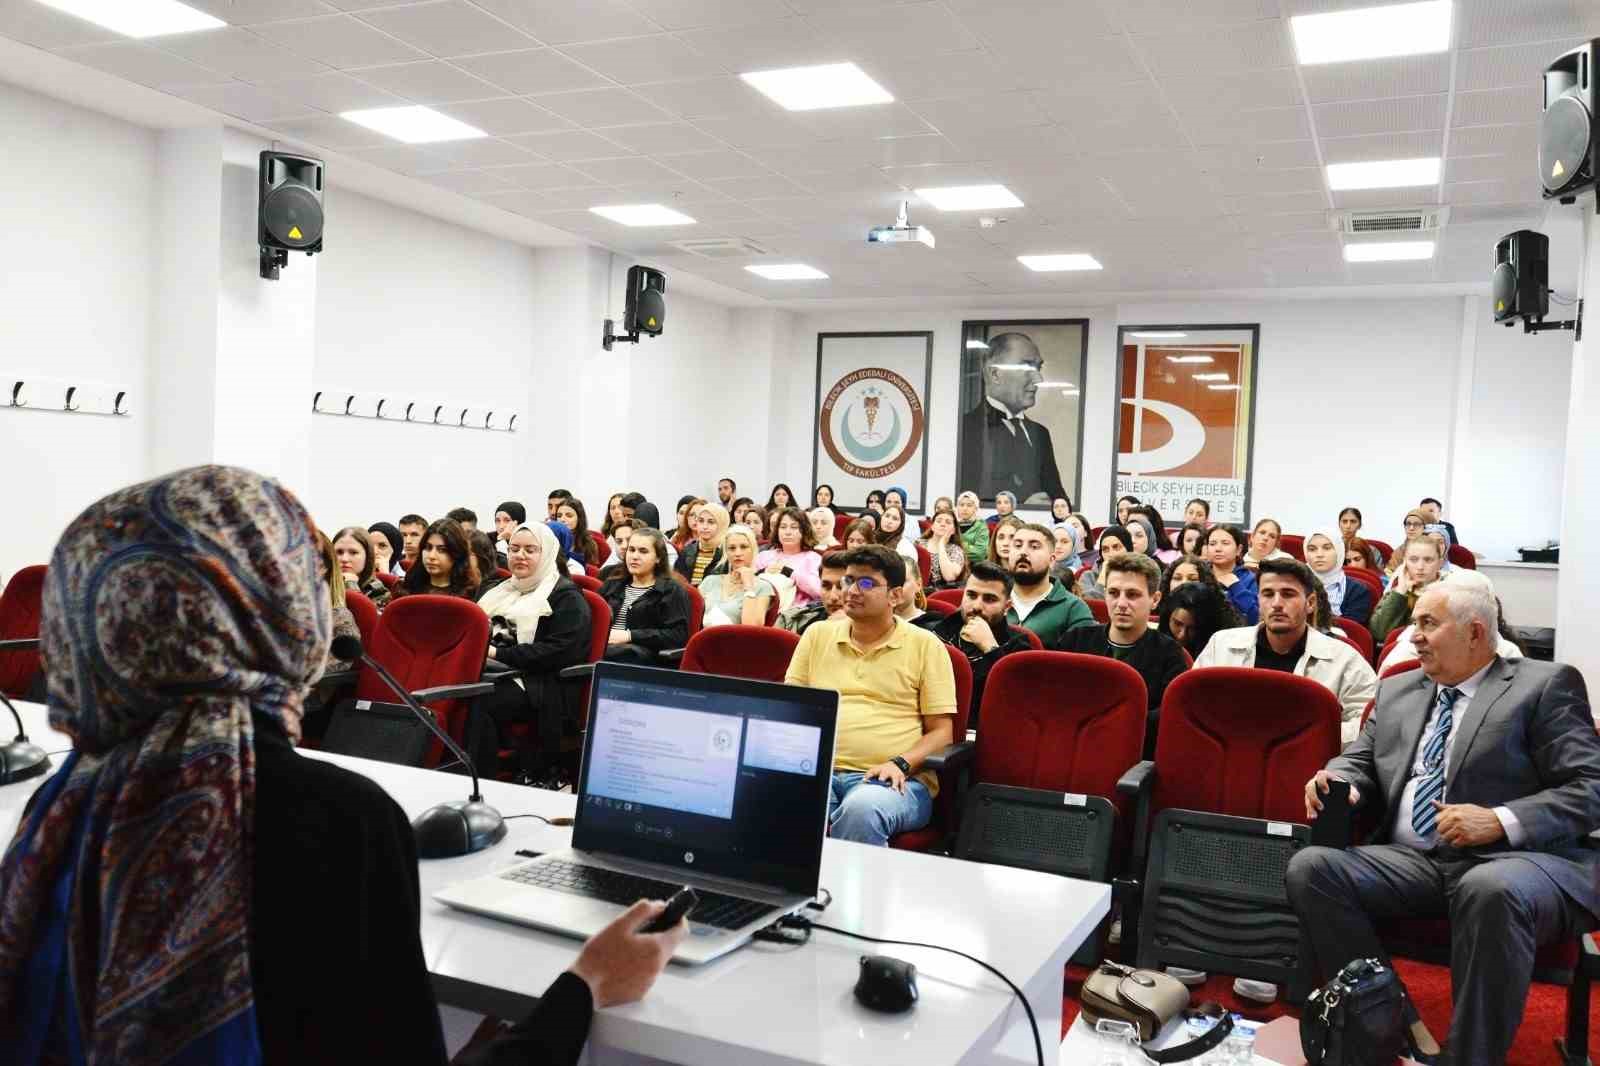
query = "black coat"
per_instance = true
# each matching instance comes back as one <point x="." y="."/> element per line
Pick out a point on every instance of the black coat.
<point x="335" y="941"/>
<point x="687" y="557"/>
<point x="562" y="640"/>
<point x="1357" y="605"/>
<point x="659" y="619"/>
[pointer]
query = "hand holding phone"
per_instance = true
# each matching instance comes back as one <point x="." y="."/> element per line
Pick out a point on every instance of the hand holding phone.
<point x="1332" y="827"/>
<point x="682" y="902"/>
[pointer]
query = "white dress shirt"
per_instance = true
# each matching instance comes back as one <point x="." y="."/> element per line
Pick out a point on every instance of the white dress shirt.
<point x="1008" y="419"/>
<point x="1403" y="831"/>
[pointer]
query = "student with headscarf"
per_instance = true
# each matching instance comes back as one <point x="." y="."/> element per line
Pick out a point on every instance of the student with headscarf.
<point x="1347" y="598"/>
<point x="387" y="548"/>
<point x="1060" y="510"/>
<point x="822" y="522"/>
<point x="703" y="554"/>
<point x="896" y="497"/>
<point x="563" y="535"/>
<point x="1066" y="561"/>
<point x="135" y="930"/>
<point x="1005" y="505"/>
<point x="538" y="624"/>
<point x="1146" y="541"/>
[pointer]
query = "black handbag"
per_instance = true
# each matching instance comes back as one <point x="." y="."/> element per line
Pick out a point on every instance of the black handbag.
<point x="1356" y="1019"/>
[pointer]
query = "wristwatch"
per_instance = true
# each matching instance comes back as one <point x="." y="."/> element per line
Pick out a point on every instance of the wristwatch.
<point x="905" y="767"/>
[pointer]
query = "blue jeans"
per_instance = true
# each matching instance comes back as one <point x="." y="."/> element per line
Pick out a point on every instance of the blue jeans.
<point x="870" y="812"/>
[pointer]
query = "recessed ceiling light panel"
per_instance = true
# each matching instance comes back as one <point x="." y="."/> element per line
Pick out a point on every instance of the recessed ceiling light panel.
<point x="1067" y="261"/>
<point x="1383" y="174"/>
<point x="413" y="124"/>
<point x="969" y="197"/>
<point x="1372" y="32"/>
<point x="138" y="18"/>
<point x="1388" y="252"/>
<point x="816" y="88"/>
<point x="643" y="215"/>
<point x="786" y="271"/>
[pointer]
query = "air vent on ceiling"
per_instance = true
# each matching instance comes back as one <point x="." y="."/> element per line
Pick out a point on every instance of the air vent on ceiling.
<point x="721" y="247"/>
<point x="1421" y="220"/>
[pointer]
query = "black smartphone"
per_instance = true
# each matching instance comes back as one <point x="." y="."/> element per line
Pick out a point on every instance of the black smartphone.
<point x="681" y="903"/>
<point x="1332" y="827"/>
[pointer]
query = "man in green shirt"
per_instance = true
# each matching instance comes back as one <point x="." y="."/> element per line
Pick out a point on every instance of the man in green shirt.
<point x="1038" y="601"/>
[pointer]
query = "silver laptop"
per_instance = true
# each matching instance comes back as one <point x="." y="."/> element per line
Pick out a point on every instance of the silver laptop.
<point x="687" y="779"/>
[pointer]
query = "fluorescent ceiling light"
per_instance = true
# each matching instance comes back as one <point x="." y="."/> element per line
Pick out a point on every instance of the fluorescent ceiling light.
<point x="413" y="125"/>
<point x="1158" y="335"/>
<point x="976" y="343"/>
<point x="138" y="18"/>
<point x="1219" y="376"/>
<point x="786" y="271"/>
<point x="1190" y="359"/>
<point x="969" y="197"/>
<point x="1223" y="388"/>
<point x="1069" y="261"/>
<point x="1372" y="32"/>
<point x="643" y="215"/>
<point x="814" y="88"/>
<point x="1388" y="251"/>
<point x="1383" y="174"/>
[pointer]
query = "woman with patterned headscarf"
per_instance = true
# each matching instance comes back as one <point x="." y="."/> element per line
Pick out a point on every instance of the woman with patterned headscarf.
<point x="188" y="890"/>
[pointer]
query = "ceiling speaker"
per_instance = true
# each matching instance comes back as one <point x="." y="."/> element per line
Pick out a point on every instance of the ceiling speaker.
<point x="288" y="208"/>
<point x="1569" y="138"/>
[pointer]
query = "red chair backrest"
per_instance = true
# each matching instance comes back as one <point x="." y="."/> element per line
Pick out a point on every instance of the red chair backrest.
<point x="755" y="653"/>
<point x="697" y="608"/>
<point x="426" y="641"/>
<point x="1062" y="722"/>
<point x="1366" y="712"/>
<point x="951" y="598"/>
<point x="1389" y="642"/>
<point x="771" y="618"/>
<point x="924" y="524"/>
<point x="1385" y="551"/>
<point x="1243" y="742"/>
<point x="365" y="613"/>
<point x="924" y="564"/>
<point x="841" y="522"/>
<point x="1033" y="638"/>
<point x="1400" y="668"/>
<point x="1461" y="557"/>
<point x="584" y="581"/>
<point x="19" y="620"/>
<point x="599" y="632"/>
<point x="1101" y="612"/>
<point x="940" y="607"/>
<point x="591" y="570"/>
<point x="1094" y="537"/>
<point x="1359" y="635"/>
<point x="945" y="802"/>
<point x="389" y="579"/>
<point x="1084" y="569"/>
<point x="1294" y="544"/>
<point x="1345" y="638"/>
<point x="502" y="573"/>
<point x="1368" y="578"/>
<point x="602" y="549"/>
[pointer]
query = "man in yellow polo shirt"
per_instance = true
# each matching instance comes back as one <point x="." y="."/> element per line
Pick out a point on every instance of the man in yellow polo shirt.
<point x="897" y="701"/>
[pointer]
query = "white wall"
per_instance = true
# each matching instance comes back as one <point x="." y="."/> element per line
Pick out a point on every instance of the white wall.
<point x="419" y="307"/>
<point x="76" y="212"/>
<point x="1579" y="587"/>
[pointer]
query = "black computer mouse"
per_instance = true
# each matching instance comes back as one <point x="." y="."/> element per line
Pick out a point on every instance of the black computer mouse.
<point x="886" y="984"/>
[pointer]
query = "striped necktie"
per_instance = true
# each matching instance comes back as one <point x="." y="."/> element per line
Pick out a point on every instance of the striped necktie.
<point x="1430" y="785"/>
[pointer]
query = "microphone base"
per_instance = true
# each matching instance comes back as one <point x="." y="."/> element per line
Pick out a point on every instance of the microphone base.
<point x="20" y="760"/>
<point x="459" y="827"/>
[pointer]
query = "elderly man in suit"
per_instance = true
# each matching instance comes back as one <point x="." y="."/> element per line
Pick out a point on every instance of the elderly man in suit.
<point x="1487" y="774"/>
<point x="1002" y="448"/>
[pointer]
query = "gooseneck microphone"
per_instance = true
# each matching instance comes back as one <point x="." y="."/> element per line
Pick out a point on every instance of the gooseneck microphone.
<point x="459" y="827"/>
<point x="22" y="758"/>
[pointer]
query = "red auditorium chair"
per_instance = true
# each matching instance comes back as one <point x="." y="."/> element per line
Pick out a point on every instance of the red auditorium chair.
<point x="941" y="608"/>
<point x="1359" y="635"/>
<point x="924" y="564"/>
<point x="502" y="573"/>
<point x="584" y="581"/>
<point x="1385" y="550"/>
<point x="591" y="570"/>
<point x="1224" y="815"/>
<point x="1033" y="638"/>
<point x="436" y="647"/>
<point x="1294" y="544"/>
<point x="1389" y="642"/>
<point x="841" y="522"/>
<point x="1400" y="668"/>
<point x="949" y="597"/>
<point x="949" y="764"/>
<point x="19" y="620"/>
<point x="1459" y="556"/>
<point x="1079" y="741"/>
<point x="389" y="579"/>
<point x="1101" y="612"/>
<point x="1368" y="578"/>
<point x="364" y="612"/>
<point x="1346" y="638"/>
<point x="602" y="549"/>
<point x="755" y="653"/>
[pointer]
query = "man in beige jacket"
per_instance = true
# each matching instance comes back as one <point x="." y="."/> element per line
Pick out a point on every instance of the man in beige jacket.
<point x="1284" y="640"/>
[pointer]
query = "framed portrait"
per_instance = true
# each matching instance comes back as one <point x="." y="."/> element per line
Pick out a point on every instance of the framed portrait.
<point x="871" y="417"/>
<point x="1186" y="405"/>
<point x="1021" y="427"/>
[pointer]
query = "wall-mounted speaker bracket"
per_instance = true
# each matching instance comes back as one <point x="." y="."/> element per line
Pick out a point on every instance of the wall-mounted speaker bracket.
<point x="1574" y="324"/>
<point x="608" y="338"/>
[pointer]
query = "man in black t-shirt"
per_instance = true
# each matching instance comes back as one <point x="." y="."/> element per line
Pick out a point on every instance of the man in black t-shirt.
<point x="979" y="629"/>
<point x="1133" y="584"/>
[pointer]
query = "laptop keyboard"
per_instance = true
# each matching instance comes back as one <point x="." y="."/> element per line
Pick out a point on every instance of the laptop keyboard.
<point x="724" y="912"/>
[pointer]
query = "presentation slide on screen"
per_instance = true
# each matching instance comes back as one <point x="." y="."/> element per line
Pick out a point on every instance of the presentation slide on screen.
<point x="665" y="757"/>
<point x="783" y="746"/>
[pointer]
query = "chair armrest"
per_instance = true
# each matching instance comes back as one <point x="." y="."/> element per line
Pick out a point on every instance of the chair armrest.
<point x="23" y="644"/>
<point x="671" y="655"/>
<point x="951" y="758"/>
<point x="581" y="672"/>
<point x="1138" y="780"/>
<point x="467" y="691"/>
<point x="498" y="671"/>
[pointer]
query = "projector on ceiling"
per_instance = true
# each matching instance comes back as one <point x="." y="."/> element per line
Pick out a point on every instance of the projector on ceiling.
<point x="902" y="232"/>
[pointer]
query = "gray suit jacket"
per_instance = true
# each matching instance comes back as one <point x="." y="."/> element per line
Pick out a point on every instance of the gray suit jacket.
<point x="1527" y="741"/>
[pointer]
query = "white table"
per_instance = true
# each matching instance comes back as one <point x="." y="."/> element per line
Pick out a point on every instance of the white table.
<point x="765" y="1004"/>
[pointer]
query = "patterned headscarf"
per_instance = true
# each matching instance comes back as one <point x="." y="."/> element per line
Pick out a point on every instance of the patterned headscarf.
<point x="172" y="611"/>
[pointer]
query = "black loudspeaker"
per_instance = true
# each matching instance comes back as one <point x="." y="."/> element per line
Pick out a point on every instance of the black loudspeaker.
<point x="646" y="310"/>
<point x="1521" y="277"/>
<point x="288" y="209"/>
<point x="1569" y="137"/>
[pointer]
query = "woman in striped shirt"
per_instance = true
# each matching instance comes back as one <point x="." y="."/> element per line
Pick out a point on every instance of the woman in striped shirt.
<point x="701" y="556"/>
<point x="649" y="611"/>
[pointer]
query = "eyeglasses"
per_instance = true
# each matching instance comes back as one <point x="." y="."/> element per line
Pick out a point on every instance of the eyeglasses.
<point x="865" y="584"/>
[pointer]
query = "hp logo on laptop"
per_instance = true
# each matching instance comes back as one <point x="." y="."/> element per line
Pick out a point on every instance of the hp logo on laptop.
<point x="688" y="857"/>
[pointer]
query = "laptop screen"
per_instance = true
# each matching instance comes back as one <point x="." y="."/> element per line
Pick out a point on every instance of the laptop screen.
<point x="716" y="775"/>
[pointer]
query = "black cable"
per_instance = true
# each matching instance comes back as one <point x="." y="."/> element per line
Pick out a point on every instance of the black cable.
<point x="1038" y="1045"/>
<point x="547" y="821"/>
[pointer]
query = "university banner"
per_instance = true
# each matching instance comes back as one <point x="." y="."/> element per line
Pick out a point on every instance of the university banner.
<point x="1185" y="417"/>
<point x="872" y="416"/>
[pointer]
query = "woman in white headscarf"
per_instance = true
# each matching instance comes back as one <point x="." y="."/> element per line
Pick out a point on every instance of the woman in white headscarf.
<point x="539" y="623"/>
<point x="1325" y="555"/>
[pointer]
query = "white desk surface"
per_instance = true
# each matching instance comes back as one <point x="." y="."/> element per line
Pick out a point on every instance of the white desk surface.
<point x="765" y="1004"/>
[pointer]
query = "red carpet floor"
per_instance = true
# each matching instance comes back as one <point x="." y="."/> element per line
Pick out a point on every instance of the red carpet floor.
<point x="1543" y="1021"/>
